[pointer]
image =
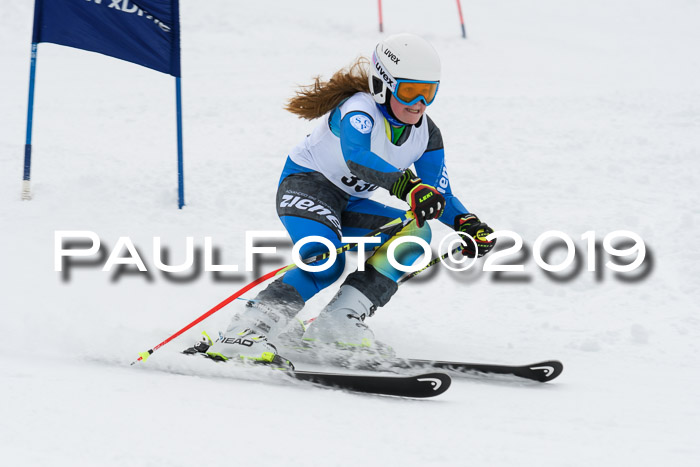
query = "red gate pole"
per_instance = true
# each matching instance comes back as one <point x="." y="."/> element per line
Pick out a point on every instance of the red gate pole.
<point x="461" y="19"/>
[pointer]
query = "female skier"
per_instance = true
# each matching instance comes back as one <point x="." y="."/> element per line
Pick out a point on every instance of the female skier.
<point x="372" y="131"/>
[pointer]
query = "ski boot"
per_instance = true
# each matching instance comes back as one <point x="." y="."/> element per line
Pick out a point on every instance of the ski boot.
<point x="246" y="345"/>
<point x="248" y="335"/>
<point x="342" y="321"/>
<point x="340" y="335"/>
<point x="240" y="344"/>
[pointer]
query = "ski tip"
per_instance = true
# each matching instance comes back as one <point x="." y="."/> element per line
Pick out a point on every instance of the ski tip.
<point x="546" y="371"/>
<point x="416" y="386"/>
<point x="434" y="383"/>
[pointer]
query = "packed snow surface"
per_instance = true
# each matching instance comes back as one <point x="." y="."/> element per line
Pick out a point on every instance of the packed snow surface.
<point x="556" y="115"/>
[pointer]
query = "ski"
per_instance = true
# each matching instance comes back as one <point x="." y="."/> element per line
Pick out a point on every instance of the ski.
<point x="417" y="386"/>
<point x="413" y="386"/>
<point x="542" y="371"/>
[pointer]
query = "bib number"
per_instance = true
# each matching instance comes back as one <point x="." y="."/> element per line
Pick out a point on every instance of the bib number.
<point x="359" y="185"/>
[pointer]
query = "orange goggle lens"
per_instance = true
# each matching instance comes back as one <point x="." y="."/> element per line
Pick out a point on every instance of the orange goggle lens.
<point x="410" y="92"/>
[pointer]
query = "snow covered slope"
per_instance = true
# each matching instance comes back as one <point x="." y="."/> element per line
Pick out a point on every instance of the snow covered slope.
<point x="557" y="115"/>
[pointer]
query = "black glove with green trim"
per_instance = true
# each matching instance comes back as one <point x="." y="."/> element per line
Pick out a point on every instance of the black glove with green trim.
<point x="472" y="226"/>
<point x="425" y="201"/>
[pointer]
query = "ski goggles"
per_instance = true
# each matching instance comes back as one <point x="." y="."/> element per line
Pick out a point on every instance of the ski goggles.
<point x="408" y="91"/>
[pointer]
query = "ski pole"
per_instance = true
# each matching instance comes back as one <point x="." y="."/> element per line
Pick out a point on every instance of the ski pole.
<point x="399" y="221"/>
<point x="434" y="262"/>
<point x="431" y="263"/>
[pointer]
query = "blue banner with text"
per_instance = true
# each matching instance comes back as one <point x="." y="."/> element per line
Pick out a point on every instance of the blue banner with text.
<point x="145" y="32"/>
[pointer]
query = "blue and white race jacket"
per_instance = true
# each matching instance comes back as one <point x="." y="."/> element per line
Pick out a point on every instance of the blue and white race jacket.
<point x="352" y="148"/>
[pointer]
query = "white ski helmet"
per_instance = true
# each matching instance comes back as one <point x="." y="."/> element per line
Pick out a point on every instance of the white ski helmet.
<point x="404" y="58"/>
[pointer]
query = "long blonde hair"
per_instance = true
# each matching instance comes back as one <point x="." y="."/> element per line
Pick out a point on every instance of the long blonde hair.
<point x="317" y="99"/>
